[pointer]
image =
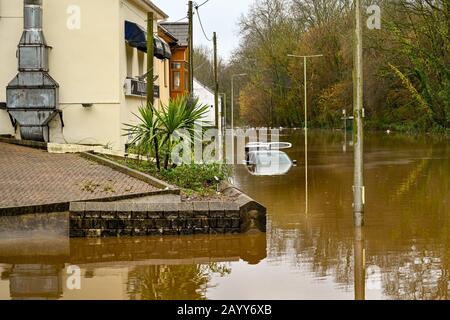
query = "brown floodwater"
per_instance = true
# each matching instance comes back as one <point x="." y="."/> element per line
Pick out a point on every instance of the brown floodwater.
<point x="403" y="252"/>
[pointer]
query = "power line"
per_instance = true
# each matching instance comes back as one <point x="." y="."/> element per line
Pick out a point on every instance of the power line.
<point x="201" y="24"/>
<point x="198" y="67"/>
<point x="185" y="17"/>
<point x="202" y="4"/>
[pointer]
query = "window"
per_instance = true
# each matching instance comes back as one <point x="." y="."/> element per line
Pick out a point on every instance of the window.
<point x="176" y="75"/>
<point x="176" y="65"/>
<point x="176" y="85"/>
<point x="141" y="62"/>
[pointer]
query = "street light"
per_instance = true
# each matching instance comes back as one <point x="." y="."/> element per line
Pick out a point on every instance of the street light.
<point x="306" y="122"/>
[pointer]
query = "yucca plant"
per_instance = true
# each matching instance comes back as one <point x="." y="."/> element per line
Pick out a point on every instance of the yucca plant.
<point x="180" y="113"/>
<point x="145" y="133"/>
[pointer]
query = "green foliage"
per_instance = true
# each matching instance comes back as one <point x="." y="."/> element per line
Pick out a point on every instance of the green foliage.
<point x="198" y="178"/>
<point x="406" y="64"/>
<point x="154" y="132"/>
<point x="145" y="133"/>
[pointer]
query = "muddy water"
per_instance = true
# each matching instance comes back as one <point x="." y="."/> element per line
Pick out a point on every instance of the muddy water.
<point x="403" y="252"/>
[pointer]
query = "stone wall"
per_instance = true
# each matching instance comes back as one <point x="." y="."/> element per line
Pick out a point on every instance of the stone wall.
<point x="95" y="219"/>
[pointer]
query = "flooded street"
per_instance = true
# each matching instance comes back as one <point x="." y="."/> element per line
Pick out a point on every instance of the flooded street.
<point x="403" y="252"/>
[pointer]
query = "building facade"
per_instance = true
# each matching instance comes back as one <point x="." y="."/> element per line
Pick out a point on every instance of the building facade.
<point x="177" y="33"/>
<point x="179" y="63"/>
<point x="98" y="72"/>
<point x="206" y="97"/>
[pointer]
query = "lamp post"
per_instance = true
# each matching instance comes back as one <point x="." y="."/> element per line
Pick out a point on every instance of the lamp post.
<point x="306" y="121"/>
<point x="232" y="108"/>
<point x="358" y="115"/>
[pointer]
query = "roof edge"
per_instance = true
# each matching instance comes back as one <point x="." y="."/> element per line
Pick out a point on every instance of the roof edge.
<point x="204" y="86"/>
<point x="167" y="32"/>
<point x="155" y="8"/>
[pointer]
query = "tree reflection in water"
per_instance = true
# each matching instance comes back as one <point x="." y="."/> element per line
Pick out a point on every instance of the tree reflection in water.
<point x="405" y="244"/>
<point x="173" y="282"/>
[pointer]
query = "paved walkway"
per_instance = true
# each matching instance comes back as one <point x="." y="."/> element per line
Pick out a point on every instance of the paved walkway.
<point x="34" y="177"/>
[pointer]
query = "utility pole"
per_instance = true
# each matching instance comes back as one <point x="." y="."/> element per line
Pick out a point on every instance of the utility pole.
<point x="216" y="84"/>
<point x="224" y="109"/>
<point x="306" y="120"/>
<point x="358" y="114"/>
<point x="359" y="273"/>
<point x="191" y="48"/>
<point x="150" y="96"/>
<point x="218" y="113"/>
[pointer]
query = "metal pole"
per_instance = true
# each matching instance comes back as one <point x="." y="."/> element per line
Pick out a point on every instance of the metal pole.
<point x="150" y="96"/>
<point x="224" y="110"/>
<point x="306" y="120"/>
<point x="218" y="113"/>
<point x="358" y="113"/>
<point x="359" y="253"/>
<point x="216" y="84"/>
<point x="232" y="114"/>
<point x="191" y="48"/>
<point x="306" y="136"/>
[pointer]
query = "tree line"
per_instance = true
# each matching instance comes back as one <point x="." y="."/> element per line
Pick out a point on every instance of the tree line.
<point x="406" y="64"/>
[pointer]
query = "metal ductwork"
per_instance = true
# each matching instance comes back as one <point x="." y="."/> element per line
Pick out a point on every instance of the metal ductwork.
<point x="32" y="96"/>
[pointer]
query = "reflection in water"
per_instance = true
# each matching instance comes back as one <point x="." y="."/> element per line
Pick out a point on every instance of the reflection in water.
<point x="34" y="281"/>
<point x="142" y="268"/>
<point x="169" y="282"/>
<point x="407" y="215"/>
<point x="359" y="257"/>
<point x="403" y="252"/>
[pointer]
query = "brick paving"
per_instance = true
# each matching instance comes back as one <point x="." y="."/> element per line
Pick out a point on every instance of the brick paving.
<point x="34" y="177"/>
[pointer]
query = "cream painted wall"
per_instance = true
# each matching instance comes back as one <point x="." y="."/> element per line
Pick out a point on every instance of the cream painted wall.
<point x="11" y="25"/>
<point x="88" y="62"/>
<point x="84" y="61"/>
<point x="129" y="11"/>
<point x="6" y="127"/>
<point x="97" y="125"/>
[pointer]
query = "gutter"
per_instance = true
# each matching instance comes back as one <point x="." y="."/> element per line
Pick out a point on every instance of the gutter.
<point x="156" y="9"/>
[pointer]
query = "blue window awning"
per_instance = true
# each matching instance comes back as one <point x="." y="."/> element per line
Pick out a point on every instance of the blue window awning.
<point x="136" y="37"/>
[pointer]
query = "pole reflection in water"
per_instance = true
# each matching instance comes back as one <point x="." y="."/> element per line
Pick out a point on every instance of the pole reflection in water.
<point x="169" y="268"/>
<point x="306" y="175"/>
<point x="403" y="252"/>
<point x="359" y="264"/>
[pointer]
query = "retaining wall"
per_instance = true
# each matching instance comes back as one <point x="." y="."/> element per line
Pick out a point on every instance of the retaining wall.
<point x="106" y="219"/>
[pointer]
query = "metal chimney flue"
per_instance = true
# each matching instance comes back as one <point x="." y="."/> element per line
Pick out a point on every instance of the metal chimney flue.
<point x="32" y="96"/>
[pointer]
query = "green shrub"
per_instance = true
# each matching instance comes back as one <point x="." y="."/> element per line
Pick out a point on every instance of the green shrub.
<point x="192" y="178"/>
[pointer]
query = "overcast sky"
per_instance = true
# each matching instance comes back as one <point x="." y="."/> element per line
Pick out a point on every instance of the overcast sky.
<point x="217" y="15"/>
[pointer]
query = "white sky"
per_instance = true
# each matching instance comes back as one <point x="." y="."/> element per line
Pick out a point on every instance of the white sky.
<point x="220" y="16"/>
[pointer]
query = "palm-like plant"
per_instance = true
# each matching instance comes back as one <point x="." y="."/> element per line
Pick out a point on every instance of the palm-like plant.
<point x="180" y="113"/>
<point x="145" y="133"/>
<point x="156" y="128"/>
